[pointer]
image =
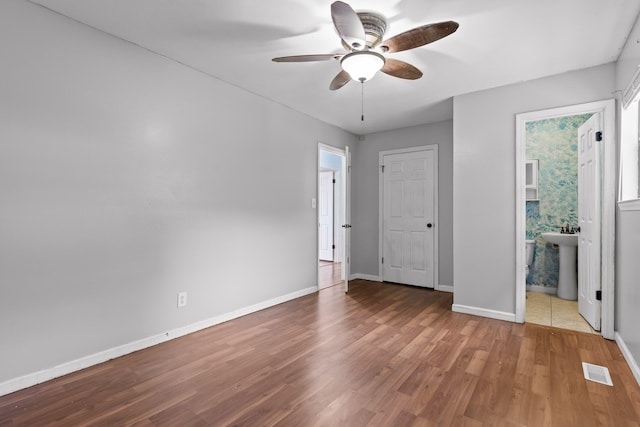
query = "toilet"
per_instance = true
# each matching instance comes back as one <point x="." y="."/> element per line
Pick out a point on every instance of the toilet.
<point x="529" y="247"/>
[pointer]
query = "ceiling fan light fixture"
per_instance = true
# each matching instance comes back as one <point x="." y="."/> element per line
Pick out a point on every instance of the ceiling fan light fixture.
<point x="362" y="65"/>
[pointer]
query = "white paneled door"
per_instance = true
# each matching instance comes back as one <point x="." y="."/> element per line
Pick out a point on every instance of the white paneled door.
<point x="325" y="216"/>
<point x="408" y="224"/>
<point x="589" y="136"/>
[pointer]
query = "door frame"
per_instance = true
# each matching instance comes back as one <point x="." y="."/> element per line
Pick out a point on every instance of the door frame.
<point x="381" y="154"/>
<point x="344" y="206"/>
<point x="607" y="188"/>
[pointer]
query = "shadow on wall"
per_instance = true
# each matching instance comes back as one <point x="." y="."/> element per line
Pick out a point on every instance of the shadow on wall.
<point x="554" y="142"/>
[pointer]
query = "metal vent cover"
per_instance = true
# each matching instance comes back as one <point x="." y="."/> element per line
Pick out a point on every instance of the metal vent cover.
<point x="596" y="373"/>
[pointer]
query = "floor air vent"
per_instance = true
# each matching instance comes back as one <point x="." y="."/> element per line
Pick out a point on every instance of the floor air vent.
<point x="596" y="373"/>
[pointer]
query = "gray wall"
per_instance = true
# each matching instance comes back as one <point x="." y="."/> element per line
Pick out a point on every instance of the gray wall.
<point x="126" y="178"/>
<point x="628" y="283"/>
<point x="366" y="191"/>
<point x="628" y="233"/>
<point x="629" y="58"/>
<point x="484" y="178"/>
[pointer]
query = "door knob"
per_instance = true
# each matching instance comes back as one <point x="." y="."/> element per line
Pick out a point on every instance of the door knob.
<point x="429" y="225"/>
<point x="346" y="226"/>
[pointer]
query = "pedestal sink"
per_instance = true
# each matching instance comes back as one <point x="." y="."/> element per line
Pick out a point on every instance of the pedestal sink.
<point x="567" y="258"/>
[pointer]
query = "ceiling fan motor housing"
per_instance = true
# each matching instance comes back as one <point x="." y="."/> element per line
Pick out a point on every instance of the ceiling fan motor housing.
<point x="375" y="25"/>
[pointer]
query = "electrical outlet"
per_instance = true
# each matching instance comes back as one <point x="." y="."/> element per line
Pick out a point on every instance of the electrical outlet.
<point x="182" y="299"/>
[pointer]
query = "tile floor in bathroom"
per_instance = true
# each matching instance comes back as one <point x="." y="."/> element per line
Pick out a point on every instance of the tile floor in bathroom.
<point x="549" y="310"/>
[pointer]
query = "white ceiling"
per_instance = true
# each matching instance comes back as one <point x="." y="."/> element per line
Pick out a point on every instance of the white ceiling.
<point x="499" y="42"/>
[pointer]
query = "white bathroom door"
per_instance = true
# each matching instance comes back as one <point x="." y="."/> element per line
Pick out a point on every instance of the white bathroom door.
<point x="408" y="228"/>
<point x="589" y="220"/>
<point x="325" y="216"/>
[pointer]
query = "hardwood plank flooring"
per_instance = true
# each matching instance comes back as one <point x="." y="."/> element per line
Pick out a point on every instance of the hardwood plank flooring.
<point x="382" y="355"/>
<point x="329" y="274"/>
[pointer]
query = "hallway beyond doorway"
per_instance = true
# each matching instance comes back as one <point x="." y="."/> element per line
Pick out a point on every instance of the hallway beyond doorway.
<point x="329" y="274"/>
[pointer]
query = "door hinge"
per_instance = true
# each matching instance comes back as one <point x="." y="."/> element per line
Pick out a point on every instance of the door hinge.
<point x="382" y="167"/>
<point x="598" y="295"/>
<point x="598" y="136"/>
<point x="333" y="246"/>
<point x="383" y="260"/>
<point x="334" y="181"/>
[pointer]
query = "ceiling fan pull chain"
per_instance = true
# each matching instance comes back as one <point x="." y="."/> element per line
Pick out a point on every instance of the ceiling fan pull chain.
<point x="362" y="102"/>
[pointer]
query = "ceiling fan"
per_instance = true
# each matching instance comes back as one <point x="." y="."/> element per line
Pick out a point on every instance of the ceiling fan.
<point x="361" y="34"/>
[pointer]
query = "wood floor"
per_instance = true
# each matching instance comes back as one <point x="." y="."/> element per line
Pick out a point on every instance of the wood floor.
<point x="329" y="274"/>
<point x="383" y="355"/>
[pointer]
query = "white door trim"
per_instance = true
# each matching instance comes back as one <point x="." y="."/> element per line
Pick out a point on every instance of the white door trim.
<point x="381" y="154"/>
<point x="607" y="109"/>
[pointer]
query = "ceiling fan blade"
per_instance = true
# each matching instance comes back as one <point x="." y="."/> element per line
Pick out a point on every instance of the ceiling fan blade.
<point x="307" y="58"/>
<point x="419" y="36"/>
<point x="401" y="69"/>
<point x="340" y="80"/>
<point x="348" y="25"/>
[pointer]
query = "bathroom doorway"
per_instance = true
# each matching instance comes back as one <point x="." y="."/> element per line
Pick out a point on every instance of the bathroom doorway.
<point x="555" y="204"/>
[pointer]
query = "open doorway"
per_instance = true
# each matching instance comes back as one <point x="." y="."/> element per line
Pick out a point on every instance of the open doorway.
<point x="331" y="216"/>
<point x="557" y="193"/>
<point x="605" y="192"/>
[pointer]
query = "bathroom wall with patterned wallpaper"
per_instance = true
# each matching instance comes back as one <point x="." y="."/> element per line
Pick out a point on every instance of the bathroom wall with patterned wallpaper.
<point x="554" y="143"/>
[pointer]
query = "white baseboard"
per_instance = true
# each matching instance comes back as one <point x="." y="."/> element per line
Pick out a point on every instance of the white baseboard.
<point x="483" y="312"/>
<point x="365" y="277"/>
<point x="631" y="361"/>
<point x="544" y="289"/>
<point x="445" y="288"/>
<point x="84" y="362"/>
